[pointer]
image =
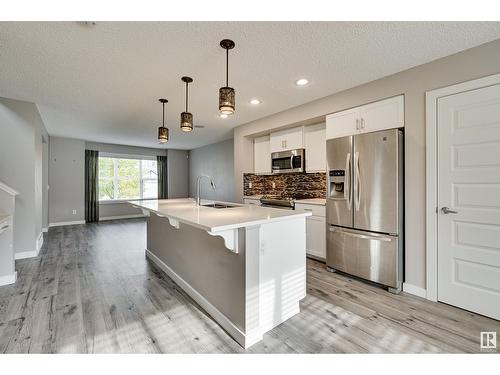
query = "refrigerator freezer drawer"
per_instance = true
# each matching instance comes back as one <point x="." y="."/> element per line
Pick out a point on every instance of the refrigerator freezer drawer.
<point x="367" y="255"/>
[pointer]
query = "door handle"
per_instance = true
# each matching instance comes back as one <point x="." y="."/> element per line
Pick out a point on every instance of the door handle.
<point x="357" y="182"/>
<point x="362" y="236"/>
<point x="347" y="181"/>
<point x="445" y="210"/>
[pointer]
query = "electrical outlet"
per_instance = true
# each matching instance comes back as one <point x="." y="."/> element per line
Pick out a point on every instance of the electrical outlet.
<point x="74" y="212"/>
<point x="250" y="185"/>
<point x="274" y="185"/>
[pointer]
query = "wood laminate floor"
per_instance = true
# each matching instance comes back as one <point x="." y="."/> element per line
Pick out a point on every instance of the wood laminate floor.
<point x="91" y="290"/>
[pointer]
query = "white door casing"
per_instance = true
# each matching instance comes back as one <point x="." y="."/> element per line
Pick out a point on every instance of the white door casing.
<point x="463" y="248"/>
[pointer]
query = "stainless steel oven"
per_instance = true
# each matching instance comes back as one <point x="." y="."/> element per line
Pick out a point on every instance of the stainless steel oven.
<point x="291" y="161"/>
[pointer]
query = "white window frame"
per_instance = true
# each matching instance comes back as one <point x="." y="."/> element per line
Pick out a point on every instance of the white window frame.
<point x="115" y="177"/>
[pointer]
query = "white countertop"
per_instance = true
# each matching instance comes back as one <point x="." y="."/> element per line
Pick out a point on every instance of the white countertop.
<point x="318" y="201"/>
<point x="216" y="219"/>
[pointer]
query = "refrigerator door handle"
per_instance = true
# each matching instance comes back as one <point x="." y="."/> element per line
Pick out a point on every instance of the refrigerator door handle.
<point x="363" y="236"/>
<point x="347" y="187"/>
<point x="357" y="182"/>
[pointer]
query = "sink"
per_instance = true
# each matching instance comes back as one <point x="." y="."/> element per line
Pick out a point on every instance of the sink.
<point x="218" y="205"/>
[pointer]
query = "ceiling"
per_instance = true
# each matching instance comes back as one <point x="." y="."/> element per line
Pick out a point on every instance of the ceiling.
<point x="102" y="83"/>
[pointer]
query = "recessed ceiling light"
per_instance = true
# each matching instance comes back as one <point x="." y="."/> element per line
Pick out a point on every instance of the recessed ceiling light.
<point x="255" y="101"/>
<point x="223" y="115"/>
<point x="301" y="82"/>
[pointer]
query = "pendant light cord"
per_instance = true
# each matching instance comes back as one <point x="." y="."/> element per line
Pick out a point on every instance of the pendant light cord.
<point x="227" y="67"/>
<point x="186" y="96"/>
<point x="163" y="114"/>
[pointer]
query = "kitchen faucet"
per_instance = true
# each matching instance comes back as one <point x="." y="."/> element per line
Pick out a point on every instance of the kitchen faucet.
<point x="212" y="184"/>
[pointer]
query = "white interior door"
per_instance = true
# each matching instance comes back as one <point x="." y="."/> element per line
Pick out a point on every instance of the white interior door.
<point x="469" y="200"/>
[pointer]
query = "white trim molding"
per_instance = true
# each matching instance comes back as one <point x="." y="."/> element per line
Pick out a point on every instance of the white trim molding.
<point x="26" y="254"/>
<point x="121" y="217"/>
<point x="63" y="223"/>
<point x="8" y="279"/>
<point x="39" y="242"/>
<point x="8" y="189"/>
<point x="414" y="290"/>
<point x="431" y="101"/>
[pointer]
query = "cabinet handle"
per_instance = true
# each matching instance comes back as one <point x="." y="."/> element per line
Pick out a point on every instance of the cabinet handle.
<point x="357" y="124"/>
<point x="362" y="123"/>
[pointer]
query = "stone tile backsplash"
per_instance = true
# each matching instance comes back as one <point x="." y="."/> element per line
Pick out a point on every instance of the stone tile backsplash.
<point x="296" y="185"/>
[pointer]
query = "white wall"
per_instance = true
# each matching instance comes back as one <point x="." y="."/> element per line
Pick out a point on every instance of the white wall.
<point x="66" y="180"/>
<point x="178" y="174"/>
<point x="21" y="167"/>
<point x="471" y="64"/>
<point x="217" y="161"/>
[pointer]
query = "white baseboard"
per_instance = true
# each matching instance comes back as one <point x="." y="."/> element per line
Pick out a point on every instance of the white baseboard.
<point x="63" y="223"/>
<point x="415" y="290"/>
<point x="219" y="317"/>
<point x="8" y="279"/>
<point x="39" y="242"/>
<point x="135" y="216"/>
<point x="26" y="254"/>
<point x="45" y="230"/>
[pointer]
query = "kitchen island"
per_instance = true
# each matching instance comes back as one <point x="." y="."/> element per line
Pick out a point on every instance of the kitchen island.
<point x="244" y="264"/>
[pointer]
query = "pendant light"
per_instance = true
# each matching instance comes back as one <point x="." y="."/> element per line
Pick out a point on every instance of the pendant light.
<point x="186" y="117"/>
<point x="162" y="130"/>
<point x="227" y="94"/>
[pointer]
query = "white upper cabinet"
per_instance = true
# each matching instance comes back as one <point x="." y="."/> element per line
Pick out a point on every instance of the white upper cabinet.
<point x="315" y="145"/>
<point x="288" y="139"/>
<point x="381" y="115"/>
<point x="261" y="155"/>
<point x="384" y="114"/>
<point x="342" y="123"/>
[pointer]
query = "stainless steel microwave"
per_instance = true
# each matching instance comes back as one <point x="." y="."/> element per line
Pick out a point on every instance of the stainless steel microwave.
<point x="291" y="161"/>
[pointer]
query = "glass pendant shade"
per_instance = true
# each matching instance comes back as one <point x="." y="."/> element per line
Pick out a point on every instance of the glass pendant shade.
<point x="226" y="100"/>
<point x="186" y="121"/>
<point x="162" y="134"/>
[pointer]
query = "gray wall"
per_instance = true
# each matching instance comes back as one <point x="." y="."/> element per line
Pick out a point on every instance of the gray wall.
<point x="178" y="174"/>
<point x="66" y="177"/>
<point x="217" y="161"/>
<point x="124" y="150"/>
<point x="473" y="63"/>
<point x="66" y="180"/>
<point x="21" y="167"/>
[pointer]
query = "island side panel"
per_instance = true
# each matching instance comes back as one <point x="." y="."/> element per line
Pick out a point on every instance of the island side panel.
<point x="282" y="271"/>
<point x="204" y="263"/>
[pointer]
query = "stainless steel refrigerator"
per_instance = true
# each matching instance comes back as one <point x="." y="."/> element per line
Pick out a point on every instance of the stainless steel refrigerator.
<point x="364" y="208"/>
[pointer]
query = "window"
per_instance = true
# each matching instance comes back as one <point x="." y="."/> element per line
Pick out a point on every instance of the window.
<point x="122" y="179"/>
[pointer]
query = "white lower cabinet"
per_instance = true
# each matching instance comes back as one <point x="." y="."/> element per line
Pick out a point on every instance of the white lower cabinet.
<point x="315" y="230"/>
<point x="316" y="236"/>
